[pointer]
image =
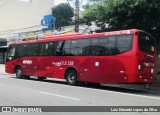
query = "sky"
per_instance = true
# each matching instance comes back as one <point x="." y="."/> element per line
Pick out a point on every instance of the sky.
<point x="56" y="2"/>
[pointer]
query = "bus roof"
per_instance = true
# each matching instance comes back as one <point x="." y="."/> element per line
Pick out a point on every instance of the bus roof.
<point x="61" y="35"/>
<point x="79" y="36"/>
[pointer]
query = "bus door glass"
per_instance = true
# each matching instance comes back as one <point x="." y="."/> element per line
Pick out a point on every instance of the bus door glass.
<point x="10" y="59"/>
<point x="11" y="53"/>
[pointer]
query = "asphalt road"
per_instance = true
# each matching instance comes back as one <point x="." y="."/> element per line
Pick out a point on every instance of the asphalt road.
<point x="21" y="92"/>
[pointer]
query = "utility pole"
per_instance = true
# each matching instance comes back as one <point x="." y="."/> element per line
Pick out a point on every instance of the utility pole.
<point x="77" y="16"/>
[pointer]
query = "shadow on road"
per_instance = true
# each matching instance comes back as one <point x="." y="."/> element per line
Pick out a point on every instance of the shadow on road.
<point x="99" y="87"/>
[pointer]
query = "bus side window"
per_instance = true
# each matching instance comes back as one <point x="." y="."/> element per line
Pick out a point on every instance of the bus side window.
<point x="87" y="51"/>
<point x="48" y="49"/>
<point x="21" y="50"/>
<point x="111" y="46"/>
<point x="101" y="47"/>
<point x="32" y="49"/>
<point x="104" y="46"/>
<point x="66" y="51"/>
<point x="77" y="47"/>
<point x="99" y="50"/>
<point x="124" y="43"/>
<point x="51" y="51"/>
<point x="59" y="46"/>
<point x="82" y="47"/>
<point x="93" y="47"/>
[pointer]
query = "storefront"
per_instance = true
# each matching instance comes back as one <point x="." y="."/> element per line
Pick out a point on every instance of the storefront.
<point x="3" y="50"/>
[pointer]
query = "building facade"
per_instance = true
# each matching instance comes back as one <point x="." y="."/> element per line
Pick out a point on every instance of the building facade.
<point x="18" y="16"/>
<point x="3" y="50"/>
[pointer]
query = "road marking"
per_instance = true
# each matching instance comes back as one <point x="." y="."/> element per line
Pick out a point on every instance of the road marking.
<point x="60" y="96"/>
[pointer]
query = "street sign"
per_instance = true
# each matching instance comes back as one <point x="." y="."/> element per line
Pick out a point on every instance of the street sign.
<point x="48" y="21"/>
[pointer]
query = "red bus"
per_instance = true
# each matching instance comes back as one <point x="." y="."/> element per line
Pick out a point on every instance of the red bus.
<point x="126" y="56"/>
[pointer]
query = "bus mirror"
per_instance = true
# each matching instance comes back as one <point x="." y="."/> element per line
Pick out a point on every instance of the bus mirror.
<point x="9" y="58"/>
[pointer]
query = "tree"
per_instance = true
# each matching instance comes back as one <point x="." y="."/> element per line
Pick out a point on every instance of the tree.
<point x="63" y="13"/>
<point x="89" y="1"/>
<point x="127" y="14"/>
<point x="93" y="12"/>
<point x="140" y="14"/>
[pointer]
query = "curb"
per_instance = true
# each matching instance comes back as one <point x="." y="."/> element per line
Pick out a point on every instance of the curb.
<point x="6" y="74"/>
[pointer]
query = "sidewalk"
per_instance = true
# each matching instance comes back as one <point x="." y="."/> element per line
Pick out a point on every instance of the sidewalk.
<point x="153" y="87"/>
<point x="2" y="69"/>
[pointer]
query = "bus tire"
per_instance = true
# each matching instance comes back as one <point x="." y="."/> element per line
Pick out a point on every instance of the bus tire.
<point x="19" y="73"/>
<point x="71" y="77"/>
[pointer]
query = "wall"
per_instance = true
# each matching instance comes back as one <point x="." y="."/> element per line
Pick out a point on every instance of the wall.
<point x="17" y="15"/>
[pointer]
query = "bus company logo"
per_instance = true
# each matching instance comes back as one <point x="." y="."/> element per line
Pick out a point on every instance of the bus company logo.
<point x="61" y="63"/>
<point x="57" y="63"/>
<point x="118" y="32"/>
<point x="27" y="61"/>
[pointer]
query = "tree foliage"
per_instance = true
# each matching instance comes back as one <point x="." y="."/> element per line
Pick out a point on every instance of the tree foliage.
<point x="93" y="1"/>
<point x="63" y="13"/>
<point x="127" y="14"/>
<point x="94" y="11"/>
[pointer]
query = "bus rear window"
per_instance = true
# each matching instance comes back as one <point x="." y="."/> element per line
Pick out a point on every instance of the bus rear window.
<point x="146" y="43"/>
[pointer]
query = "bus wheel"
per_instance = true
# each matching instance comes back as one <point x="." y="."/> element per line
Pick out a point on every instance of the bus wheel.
<point x="71" y="77"/>
<point x="19" y="73"/>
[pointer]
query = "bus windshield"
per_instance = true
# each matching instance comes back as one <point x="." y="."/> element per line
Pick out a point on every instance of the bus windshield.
<point x="146" y="43"/>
